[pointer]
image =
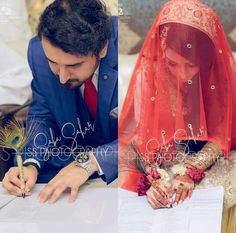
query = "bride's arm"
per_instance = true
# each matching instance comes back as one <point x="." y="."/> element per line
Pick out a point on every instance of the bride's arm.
<point x="204" y="158"/>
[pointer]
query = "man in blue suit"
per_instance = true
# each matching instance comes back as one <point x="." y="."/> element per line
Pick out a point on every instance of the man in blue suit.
<point x="74" y="65"/>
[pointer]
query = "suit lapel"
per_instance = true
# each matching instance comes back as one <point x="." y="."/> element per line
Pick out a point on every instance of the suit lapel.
<point x="68" y="109"/>
<point x="106" y="84"/>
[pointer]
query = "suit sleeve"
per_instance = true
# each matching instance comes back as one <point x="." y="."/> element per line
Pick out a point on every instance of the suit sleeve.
<point x="107" y="158"/>
<point x="39" y="118"/>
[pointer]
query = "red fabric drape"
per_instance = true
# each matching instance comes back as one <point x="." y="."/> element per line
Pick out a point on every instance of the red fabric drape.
<point x="165" y="104"/>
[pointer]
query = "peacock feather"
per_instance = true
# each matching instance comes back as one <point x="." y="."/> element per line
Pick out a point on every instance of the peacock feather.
<point x="14" y="136"/>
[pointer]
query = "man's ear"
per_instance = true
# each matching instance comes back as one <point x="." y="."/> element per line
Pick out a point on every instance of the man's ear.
<point x="103" y="52"/>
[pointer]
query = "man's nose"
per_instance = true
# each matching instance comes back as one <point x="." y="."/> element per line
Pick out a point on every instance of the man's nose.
<point x="64" y="75"/>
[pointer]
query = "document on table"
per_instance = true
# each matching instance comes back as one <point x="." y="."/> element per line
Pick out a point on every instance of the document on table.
<point x="95" y="210"/>
<point x="86" y="205"/>
<point x="202" y="213"/>
<point x="5" y="199"/>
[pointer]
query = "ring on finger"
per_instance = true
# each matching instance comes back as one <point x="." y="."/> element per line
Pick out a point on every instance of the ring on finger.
<point x="181" y="186"/>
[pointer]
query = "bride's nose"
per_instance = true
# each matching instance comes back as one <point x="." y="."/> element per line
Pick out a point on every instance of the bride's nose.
<point x="182" y="74"/>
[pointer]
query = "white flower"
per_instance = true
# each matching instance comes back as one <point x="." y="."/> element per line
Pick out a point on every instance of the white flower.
<point x="164" y="176"/>
<point x="179" y="169"/>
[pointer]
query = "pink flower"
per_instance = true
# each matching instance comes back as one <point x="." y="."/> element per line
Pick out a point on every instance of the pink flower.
<point x="154" y="174"/>
<point x="145" y="181"/>
<point x="143" y="185"/>
<point x="195" y="174"/>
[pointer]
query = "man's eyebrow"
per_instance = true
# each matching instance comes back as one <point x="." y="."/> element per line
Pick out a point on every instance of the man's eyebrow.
<point x="51" y="60"/>
<point x="74" y="64"/>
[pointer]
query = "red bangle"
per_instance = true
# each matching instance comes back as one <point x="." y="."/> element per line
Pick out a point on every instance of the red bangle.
<point x="195" y="174"/>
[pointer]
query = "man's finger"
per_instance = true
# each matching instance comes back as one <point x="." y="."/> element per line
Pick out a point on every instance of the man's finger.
<point x="29" y="185"/>
<point x="13" y="178"/>
<point x="56" y="194"/>
<point x="46" y="193"/>
<point x="11" y="188"/>
<point x="18" y="194"/>
<point x="73" y="194"/>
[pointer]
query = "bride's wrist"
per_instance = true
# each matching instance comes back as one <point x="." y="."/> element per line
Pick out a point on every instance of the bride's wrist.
<point x="195" y="174"/>
<point x="205" y="158"/>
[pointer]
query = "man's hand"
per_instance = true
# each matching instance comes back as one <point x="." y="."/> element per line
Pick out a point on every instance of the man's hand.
<point x="158" y="195"/>
<point x="183" y="187"/>
<point x="71" y="177"/>
<point x="12" y="183"/>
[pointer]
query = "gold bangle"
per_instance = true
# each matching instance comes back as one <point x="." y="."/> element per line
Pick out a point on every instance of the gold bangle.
<point x="205" y="157"/>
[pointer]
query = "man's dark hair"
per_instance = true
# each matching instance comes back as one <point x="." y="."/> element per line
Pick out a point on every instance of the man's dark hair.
<point x="79" y="27"/>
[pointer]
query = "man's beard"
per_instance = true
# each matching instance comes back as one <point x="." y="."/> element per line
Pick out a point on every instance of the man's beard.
<point x="72" y="84"/>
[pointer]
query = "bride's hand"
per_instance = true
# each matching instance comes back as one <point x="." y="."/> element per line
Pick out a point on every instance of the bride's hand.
<point x="158" y="195"/>
<point x="183" y="188"/>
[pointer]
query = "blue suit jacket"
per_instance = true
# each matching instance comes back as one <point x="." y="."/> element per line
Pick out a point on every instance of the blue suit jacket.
<point x="55" y="112"/>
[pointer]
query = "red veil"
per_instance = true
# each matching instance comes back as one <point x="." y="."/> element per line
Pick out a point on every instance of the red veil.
<point x="161" y="107"/>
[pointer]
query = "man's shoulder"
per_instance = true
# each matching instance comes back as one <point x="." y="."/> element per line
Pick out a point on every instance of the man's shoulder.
<point x="35" y="40"/>
<point x="35" y="43"/>
<point x="35" y="50"/>
<point x="114" y="27"/>
<point x="114" y="20"/>
<point x="112" y="53"/>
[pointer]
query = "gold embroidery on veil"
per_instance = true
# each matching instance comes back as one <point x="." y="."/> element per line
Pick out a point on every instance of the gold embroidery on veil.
<point x="192" y="13"/>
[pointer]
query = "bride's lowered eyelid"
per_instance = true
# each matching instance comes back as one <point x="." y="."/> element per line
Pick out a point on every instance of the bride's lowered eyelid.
<point x="171" y="63"/>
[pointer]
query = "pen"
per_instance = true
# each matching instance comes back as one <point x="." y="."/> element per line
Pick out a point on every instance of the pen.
<point x="15" y="136"/>
<point x="21" y="172"/>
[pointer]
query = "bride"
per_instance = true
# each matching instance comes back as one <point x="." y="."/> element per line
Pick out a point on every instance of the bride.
<point x="176" y="127"/>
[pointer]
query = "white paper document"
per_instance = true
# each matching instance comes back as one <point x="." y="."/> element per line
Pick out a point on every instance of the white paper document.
<point x="95" y="210"/>
<point x="90" y="202"/>
<point x="5" y="199"/>
<point x="202" y="213"/>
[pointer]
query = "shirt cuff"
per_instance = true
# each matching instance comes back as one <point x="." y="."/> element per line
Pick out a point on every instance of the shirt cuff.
<point x="100" y="172"/>
<point x="32" y="161"/>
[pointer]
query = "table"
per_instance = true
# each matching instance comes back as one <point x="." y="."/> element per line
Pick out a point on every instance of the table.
<point x="95" y="210"/>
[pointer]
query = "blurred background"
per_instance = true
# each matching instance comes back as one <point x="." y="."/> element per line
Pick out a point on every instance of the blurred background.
<point x="137" y="16"/>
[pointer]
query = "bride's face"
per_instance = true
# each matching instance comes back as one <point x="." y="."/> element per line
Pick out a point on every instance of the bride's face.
<point x="181" y="68"/>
